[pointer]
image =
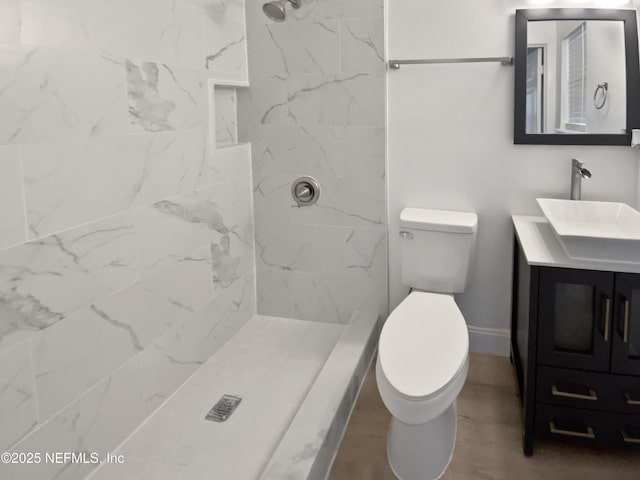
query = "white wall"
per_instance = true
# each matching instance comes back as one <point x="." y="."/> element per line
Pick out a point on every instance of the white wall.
<point x="450" y="143"/>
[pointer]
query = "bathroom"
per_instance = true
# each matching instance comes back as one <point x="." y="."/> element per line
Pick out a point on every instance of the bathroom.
<point x="153" y="258"/>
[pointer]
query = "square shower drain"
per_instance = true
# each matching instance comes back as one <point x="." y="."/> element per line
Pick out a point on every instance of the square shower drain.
<point x="222" y="410"/>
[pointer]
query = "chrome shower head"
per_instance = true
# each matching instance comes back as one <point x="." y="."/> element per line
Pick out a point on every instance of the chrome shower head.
<point x="276" y="10"/>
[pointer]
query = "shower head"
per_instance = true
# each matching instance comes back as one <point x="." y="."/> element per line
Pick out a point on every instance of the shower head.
<point x="276" y="10"/>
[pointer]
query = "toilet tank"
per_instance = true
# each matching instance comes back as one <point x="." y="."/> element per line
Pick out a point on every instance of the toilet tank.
<point x="437" y="247"/>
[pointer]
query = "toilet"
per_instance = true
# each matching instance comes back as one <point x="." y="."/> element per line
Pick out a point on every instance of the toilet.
<point x="423" y="351"/>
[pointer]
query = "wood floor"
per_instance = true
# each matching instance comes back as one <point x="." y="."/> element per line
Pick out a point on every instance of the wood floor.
<point x="488" y="445"/>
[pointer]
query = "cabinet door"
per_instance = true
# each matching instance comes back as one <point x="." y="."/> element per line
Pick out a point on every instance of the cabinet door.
<point x="574" y="318"/>
<point x="625" y="355"/>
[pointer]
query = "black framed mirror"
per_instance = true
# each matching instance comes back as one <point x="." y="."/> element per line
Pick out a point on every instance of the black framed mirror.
<point x="577" y="77"/>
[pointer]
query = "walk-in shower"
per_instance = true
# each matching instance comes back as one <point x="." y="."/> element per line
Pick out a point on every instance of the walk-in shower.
<point x="276" y="10"/>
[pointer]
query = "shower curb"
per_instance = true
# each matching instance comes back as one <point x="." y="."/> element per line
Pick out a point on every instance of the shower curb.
<point x="309" y="446"/>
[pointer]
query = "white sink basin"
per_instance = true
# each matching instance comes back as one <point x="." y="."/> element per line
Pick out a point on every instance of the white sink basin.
<point x="599" y="231"/>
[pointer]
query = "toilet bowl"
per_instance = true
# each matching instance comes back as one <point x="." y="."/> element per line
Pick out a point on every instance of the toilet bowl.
<point x="421" y="368"/>
<point x="423" y="351"/>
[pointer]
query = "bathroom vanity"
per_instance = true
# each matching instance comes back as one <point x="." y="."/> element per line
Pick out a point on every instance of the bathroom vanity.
<point x="575" y="341"/>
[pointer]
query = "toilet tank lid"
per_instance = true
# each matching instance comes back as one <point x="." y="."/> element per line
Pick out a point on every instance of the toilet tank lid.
<point x="439" y="220"/>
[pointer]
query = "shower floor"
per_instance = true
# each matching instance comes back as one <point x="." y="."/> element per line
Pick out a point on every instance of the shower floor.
<point x="298" y="381"/>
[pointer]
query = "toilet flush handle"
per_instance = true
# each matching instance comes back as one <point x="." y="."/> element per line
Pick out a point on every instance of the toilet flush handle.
<point x="406" y="235"/>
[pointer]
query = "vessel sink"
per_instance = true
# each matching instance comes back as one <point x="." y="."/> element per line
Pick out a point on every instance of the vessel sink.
<point x="599" y="231"/>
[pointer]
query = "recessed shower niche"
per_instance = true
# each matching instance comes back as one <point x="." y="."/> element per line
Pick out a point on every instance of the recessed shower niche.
<point x="224" y="116"/>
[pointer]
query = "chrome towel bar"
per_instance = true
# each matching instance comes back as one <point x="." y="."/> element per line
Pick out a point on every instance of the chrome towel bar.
<point x="505" y="61"/>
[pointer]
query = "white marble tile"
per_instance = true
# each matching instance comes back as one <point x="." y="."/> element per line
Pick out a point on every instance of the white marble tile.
<point x="272" y="197"/>
<point x="220" y="319"/>
<point x="308" y="447"/>
<point x="131" y="320"/>
<point x="166" y="31"/>
<point x="68" y="360"/>
<point x="299" y="150"/>
<point x="334" y="298"/>
<point x="295" y="48"/>
<point x="187" y="283"/>
<point x="18" y="411"/>
<point x="48" y="94"/>
<point x="169" y="229"/>
<point x="362" y="45"/>
<point x="365" y="253"/>
<point x="233" y="253"/>
<point x="357" y="152"/>
<point x="10" y="21"/>
<point x="225" y="43"/>
<point x="347" y="99"/>
<point x="12" y="209"/>
<point x="349" y="202"/>
<point x="265" y="101"/>
<point x="338" y="9"/>
<point x="303" y="248"/>
<point x="319" y="9"/>
<point x="96" y="423"/>
<point x="220" y="215"/>
<point x="43" y="281"/>
<point x="173" y="357"/>
<point x="75" y="353"/>
<point x="162" y="370"/>
<point x="278" y="247"/>
<point x="174" y="163"/>
<point x="264" y="49"/>
<point x="357" y="202"/>
<point x="226" y="115"/>
<point x="70" y="183"/>
<point x="163" y="97"/>
<point x="138" y="315"/>
<point x="365" y="153"/>
<point x="229" y="163"/>
<point x="273" y="292"/>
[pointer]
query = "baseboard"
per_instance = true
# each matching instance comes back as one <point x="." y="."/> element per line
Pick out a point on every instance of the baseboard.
<point x="489" y="340"/>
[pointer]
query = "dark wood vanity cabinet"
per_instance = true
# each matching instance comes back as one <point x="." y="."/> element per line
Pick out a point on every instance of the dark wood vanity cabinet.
<point x="575" y="344"/>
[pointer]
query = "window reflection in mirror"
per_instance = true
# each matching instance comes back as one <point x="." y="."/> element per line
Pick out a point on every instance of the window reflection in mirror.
<point x="576" y="77"/>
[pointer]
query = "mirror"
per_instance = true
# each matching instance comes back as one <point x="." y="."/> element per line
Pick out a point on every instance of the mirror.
<point x="577" y="77"/>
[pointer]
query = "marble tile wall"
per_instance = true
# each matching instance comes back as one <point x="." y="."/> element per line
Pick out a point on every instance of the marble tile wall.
<point x="316" y="107"/>
<point x="126" y="237"/>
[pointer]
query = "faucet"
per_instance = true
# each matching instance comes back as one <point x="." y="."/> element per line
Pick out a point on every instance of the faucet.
<point x="578" y="172"/>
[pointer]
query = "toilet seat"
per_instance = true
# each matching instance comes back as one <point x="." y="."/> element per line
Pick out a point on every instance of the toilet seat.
<point x="423" y="345"/>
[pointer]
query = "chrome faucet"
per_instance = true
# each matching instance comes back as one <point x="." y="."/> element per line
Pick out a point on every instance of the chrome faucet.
<point x="578" y="172"/>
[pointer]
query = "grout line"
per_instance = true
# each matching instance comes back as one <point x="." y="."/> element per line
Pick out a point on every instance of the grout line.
<point x="128" y="212"/>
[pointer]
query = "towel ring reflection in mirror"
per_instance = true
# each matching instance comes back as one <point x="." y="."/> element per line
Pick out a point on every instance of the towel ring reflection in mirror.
<point x="600" y="99"/>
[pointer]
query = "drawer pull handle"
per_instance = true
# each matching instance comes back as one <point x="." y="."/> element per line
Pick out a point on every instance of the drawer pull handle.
<point x="625" y="331"/>
<point x="630" y="400"/>
<point x="629" y="439"/>
<point x="607" y="317"/>
<point x="559" y="393"/>
<point x="571" y="433"/>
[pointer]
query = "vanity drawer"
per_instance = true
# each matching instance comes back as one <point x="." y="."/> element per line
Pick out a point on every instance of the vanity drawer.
<point x="585" y="426"/>
<point x="627" y="431"/>
<point x="588" y="426"/>
<point x="591" y="390"/>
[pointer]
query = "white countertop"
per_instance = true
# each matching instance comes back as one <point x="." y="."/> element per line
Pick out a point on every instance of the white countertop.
<point x="542" y="248"/>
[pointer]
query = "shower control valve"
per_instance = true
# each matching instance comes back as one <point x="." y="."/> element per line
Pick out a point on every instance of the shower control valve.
<point x="305" y="191"/>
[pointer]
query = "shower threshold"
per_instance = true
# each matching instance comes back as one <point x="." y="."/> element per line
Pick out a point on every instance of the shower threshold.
<point x="298" y="381"/>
